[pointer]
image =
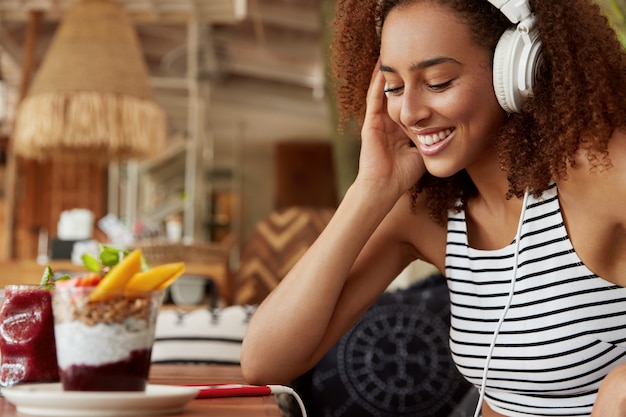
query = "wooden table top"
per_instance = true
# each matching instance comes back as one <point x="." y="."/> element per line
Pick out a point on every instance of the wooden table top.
<point x="198" y="374"/>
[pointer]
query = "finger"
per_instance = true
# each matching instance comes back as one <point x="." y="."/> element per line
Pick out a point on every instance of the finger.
<point x="376" y="90"/>
<point x="375" y="71"/>
<point x="375" y="80"/>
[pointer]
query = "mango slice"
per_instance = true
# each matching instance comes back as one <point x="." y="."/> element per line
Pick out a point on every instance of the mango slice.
<point x="157" y="278"/>
<point x="117" y="278"/>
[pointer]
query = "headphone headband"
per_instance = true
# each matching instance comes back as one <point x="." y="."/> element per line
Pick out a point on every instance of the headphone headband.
<point x="515" y="10"/>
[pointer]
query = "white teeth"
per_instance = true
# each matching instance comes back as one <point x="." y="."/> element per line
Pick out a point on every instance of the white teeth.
<point x="434" y="138"/>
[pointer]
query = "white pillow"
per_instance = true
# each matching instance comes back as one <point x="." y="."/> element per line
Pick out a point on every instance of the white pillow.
<point x="200" y="335"/>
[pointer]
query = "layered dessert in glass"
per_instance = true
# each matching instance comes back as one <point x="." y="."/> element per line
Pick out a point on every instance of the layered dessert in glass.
<point x="104" y="324"/>
<point x="104" y="344"/>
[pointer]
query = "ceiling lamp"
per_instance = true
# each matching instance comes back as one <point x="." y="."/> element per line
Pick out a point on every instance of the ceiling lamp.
<point x="91" y="97"/>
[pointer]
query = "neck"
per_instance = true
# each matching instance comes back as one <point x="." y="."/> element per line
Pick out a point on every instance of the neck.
<point x="489" y="179"/>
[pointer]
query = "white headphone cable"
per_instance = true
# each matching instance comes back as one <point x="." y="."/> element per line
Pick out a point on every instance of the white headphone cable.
<point x="518" y="236"/>
<point x="282" y="389"/>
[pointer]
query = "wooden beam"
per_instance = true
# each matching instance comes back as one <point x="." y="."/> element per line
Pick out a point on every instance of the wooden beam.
<point x="30" y="46"/>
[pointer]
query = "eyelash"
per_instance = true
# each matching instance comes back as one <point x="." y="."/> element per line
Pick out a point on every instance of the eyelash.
<point x="439" y="87"/>
<point x="434" y="87"/>
<point x="392" y="91"/>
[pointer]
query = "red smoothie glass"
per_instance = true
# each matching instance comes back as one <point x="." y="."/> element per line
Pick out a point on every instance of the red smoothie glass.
<point x="27" y="342"/>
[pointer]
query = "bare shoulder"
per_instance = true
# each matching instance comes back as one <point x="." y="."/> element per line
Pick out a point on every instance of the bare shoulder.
<point x="612" y="181"/>
<point x="616" y="175"/>
<point x="592" y="202"/>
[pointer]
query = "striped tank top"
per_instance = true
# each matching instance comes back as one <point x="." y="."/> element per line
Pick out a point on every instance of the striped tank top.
<point x="564" y="331"/>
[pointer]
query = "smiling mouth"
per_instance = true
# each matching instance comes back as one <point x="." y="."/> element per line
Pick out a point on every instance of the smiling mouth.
<point x="434" y="138"/>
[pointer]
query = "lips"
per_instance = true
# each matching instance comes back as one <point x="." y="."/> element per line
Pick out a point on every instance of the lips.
<point x="433" y="138"/>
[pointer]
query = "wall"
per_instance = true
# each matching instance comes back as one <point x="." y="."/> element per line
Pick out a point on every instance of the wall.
<point x="259" y="115"/>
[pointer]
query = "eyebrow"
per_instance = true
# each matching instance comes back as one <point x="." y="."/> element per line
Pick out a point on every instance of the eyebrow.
<point x="425" y="64"/>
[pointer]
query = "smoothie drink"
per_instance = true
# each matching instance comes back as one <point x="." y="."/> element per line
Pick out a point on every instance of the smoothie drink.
<point x="104" y="345"/>
<point x="27" y="342"/>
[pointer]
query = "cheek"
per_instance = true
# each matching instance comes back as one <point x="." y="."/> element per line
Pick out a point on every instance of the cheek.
<point x="470" y="102"/>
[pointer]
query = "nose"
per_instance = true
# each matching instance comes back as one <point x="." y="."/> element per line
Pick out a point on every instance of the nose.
<point x="414" y="108"/>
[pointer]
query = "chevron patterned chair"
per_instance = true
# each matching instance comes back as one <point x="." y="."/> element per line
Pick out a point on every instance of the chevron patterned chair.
<point x="274" y="246"/>
<point x="213" y="335"/>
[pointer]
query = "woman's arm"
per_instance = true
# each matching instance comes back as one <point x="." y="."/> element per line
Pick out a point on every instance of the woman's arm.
<point x="361" y="250"/>
<point x="611" y="400"/>
<point x="334" y="282"/>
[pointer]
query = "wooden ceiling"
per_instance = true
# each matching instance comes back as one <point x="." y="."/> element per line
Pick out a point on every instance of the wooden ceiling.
<point x="266" y="40"/>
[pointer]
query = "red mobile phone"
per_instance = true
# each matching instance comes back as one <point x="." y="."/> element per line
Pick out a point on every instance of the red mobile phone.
<point x="231" y="390"/>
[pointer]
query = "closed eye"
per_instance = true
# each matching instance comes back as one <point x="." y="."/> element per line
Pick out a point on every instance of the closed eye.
<point x="393" y="91"/>
<point x="433" y="87"/>
<point x="440" y="87"/>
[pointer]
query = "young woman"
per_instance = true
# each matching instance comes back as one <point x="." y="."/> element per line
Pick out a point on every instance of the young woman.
<point x="516" y="194"/>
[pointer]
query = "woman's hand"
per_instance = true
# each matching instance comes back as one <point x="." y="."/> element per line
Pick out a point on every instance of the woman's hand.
<point x="388" y="157"/>
<point x="611" y="400"/>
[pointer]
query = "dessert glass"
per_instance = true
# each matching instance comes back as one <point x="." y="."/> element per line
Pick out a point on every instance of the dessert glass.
<point x="27" y="341"/>
<point x="104" y="345"/>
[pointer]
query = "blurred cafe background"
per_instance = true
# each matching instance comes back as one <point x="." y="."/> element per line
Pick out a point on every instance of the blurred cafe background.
<point x="178" y="125"/>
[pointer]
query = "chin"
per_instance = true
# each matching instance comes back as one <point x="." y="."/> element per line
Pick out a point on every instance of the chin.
<point x="439" y="171"/>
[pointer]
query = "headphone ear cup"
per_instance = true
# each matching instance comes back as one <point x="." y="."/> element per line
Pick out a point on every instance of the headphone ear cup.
<point x="505" y="72"/>
<point x="514" y="67"/>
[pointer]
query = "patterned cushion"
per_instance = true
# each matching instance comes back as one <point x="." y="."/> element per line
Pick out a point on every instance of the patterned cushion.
<point x="395" y="361"/>
<point x="273" y="248"/>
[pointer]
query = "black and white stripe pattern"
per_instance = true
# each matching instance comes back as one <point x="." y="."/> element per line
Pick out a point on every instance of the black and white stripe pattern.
<point x="566" y="327"/>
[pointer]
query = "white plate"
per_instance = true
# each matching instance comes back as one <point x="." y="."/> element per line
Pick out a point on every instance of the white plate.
<point x="51" y="400"/>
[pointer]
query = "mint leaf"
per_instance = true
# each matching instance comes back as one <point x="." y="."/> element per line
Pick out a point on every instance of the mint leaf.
<point x="47" y="279"/>
<point x="63" y="277"/>
<point x="90" y="262"/>
<point x="109" y="256"/>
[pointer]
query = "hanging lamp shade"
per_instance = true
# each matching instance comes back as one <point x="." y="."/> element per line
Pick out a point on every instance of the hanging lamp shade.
<point x="91" y="97"/>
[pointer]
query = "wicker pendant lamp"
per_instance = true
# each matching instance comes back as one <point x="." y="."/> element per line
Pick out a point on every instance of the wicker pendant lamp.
<point x="91" y="98"/>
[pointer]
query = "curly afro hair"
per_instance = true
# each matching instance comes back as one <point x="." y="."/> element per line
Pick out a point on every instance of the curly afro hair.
<point x="579" y="96"/>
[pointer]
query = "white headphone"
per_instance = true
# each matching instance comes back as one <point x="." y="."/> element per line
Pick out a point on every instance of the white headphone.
<point x="517" y="56"/>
